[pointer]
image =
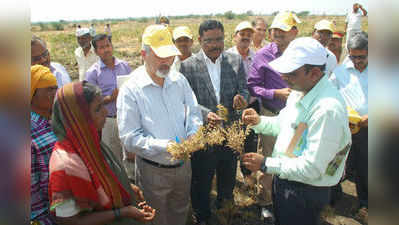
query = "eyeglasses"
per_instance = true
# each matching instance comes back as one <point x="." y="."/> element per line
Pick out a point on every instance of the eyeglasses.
<point x="39" y="57"/>
<point x="210" y="40"/>
<point x="361" y="57"/>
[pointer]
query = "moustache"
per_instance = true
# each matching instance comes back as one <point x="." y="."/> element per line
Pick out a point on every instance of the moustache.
<point x="245" y="39"/>
<point x="216" y="49"/>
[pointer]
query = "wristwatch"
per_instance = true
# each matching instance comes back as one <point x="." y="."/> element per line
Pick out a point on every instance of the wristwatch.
<point x="263" y="167"/>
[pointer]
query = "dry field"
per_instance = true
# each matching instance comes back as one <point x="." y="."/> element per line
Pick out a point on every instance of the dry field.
<point x="126" y="37"/>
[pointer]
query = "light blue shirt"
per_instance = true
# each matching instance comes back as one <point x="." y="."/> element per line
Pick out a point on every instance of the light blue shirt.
<point x="353" y="86"/>
<point x="149" y="116"/>
<point x="60" y="74"/>
<point x="321" y="152"/>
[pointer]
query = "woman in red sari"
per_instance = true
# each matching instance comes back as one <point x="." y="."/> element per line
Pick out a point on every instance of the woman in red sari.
<point x="87" y="184"/>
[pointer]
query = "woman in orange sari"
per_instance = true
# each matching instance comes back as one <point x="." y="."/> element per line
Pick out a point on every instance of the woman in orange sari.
<point x="87" y="184"/>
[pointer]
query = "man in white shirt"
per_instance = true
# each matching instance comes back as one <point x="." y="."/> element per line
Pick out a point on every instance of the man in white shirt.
<point x="216" y="77"/>
<point x="156" y="107"/>
<point x="351" y="79"/>
<point x="353" y="21"/>
<point x="183" y="39"/>
<point x="323" y="31"/>
<point x="84" y="54"/>
<point x="41" y="56"/>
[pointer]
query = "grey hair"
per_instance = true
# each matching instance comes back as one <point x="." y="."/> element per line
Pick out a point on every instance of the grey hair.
<point x="35" y="40"/>
<point x="146" y="48"/>
<point x="90" y="91"/>
<point x="359" y="41"/>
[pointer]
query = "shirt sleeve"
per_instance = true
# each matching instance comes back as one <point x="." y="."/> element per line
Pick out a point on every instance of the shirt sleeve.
<point x="257" y="78"/>
<point x="324" y="138"/>
<point x="267" y="126"/>
<point x="130" y="128"/>
<point x="193" y="112"/>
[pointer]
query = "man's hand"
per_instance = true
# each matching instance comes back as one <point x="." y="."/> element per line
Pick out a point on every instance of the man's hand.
<point x="364" y="122"/>
<point x="138" y="192"/>
<point x="214" y="119"/>
<point x="253" y="161"/>
<point x="250" y="117"/>
<point x="282" y="94"/>
<point x="144" y="215"/>
<point x="239" y="102"/>
<point x="110" y="98"/>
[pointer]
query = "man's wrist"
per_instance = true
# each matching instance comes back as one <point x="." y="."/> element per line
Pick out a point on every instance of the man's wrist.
<point x="263" y="167"/>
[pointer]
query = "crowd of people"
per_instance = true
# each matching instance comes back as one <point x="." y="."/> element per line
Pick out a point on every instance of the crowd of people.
<point x="99" y="144"/>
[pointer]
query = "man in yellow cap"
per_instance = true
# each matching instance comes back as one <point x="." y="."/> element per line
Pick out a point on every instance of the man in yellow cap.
<point x="323" y="31"/>
<point x="266" y="83"/>
<point x="157" y="107"/>
<point x="42" y="93"/>
<point x="183" y="39"/>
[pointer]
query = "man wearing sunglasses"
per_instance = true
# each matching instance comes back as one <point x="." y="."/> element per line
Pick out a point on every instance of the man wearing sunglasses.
<point x="41" y="56"/>
<point x="351" y="79"/>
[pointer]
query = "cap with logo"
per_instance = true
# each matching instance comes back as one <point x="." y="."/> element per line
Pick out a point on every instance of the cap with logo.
<point x="159" y="39"/>
<point x="182" y="31"/>
<point x="285" y="21"/>
<point x="325" y="25"/>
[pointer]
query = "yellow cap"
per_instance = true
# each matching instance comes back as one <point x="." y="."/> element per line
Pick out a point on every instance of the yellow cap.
<point x="285" y="21"/>
<point x="243" y="26"/>
<point x="325" y="25"/>
<point x="354" y="119"/>
<point x="159" y="39"/>
<point x="182" y="31"/>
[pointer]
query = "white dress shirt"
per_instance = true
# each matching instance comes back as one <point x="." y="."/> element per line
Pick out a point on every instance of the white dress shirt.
<point x="354" y="20"/>
<point x="149" y="116"/>
<point x="85" y="62"/>
<point x="214" y="72"/>
<point x="353" y="85"/>
<point x="60" y="73"/>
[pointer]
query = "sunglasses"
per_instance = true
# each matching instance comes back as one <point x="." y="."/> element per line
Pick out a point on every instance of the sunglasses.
<point x="353" y="57"/>
<point x="39" y="57"/>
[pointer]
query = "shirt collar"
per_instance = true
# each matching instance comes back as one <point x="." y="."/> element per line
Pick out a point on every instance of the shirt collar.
<point x="146" y="80"/>
<point x="349" y="64"/>
<point x="308" y="99"/>
<point x="274" y="49"/>
<point x="250" y="55"/>
<point x="208" y="60"/>
<point x="116" y="62"/>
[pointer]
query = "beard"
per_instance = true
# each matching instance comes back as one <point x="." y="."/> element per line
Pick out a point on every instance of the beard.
<point x="163" y="71"/>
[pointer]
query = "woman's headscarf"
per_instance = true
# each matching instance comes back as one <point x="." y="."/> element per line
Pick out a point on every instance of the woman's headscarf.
<point x="78" y="147"/>
<point x="41" y="77"/>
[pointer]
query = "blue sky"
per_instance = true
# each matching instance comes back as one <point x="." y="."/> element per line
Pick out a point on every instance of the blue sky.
<point x="50" y="10"/>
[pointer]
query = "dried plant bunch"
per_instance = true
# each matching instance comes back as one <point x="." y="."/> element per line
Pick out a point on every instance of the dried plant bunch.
<point x="233" y="135"/>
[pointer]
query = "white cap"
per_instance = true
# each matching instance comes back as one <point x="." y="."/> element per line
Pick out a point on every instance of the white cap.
<point x="82" y="31"/>
<point x="301" y="51"/>
<point x="243" y="26"/>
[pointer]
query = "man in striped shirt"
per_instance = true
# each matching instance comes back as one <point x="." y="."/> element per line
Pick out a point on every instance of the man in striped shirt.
<point x="43" y="89"/>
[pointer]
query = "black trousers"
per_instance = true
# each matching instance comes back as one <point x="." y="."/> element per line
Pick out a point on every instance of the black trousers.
<point x="296" y="203"/>
<point x="358" y="164"/>
<point x="204" y="164"/>
<point x="251" y="142"/>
